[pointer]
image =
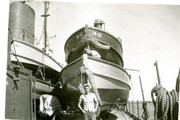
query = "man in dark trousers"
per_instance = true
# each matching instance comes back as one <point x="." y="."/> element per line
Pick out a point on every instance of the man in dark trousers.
<point x="89" y="103"/>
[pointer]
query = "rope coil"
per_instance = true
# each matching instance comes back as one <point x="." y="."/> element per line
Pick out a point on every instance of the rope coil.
<point x="166" y="103"/>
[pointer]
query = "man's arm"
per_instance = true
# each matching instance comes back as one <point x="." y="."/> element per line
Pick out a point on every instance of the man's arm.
<point x="96" y="102"/>
<point x="79" y="105"/>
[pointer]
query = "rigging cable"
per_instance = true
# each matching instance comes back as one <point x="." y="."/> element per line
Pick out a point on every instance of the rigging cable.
<point x="120" y="111"/>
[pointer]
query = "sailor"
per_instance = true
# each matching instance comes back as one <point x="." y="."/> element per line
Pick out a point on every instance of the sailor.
<point x="89" y="103"/>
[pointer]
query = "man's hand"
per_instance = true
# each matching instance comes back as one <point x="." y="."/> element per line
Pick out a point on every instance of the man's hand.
<point x="93" y="111"/>
<point x="84" y="112"/>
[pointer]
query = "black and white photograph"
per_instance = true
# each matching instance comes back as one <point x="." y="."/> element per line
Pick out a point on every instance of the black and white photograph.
<point x="90" y="60"/>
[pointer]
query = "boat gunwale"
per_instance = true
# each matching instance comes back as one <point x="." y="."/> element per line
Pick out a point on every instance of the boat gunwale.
<point x="93" y="29"/>
<point x="119" y="80"/>
<point x="121" y="59"/>
<point x="119" y="55"/>
<point x="99" y="60"/>
<point x="34" y="47"/>
<point x="47" y="67"/>
<point x="108" y="62"/>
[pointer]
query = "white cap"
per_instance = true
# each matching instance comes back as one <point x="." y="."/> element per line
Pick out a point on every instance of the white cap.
<point x="87" y="85"/>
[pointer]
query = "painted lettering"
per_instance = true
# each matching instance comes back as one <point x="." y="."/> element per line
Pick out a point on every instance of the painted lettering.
<point x="95" y="33"/>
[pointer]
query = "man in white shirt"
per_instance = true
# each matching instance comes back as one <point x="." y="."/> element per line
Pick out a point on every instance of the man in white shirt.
<point x="90" y="103"/>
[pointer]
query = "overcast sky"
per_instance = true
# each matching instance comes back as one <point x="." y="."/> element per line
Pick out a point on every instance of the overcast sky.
<point x="148" y="33"/>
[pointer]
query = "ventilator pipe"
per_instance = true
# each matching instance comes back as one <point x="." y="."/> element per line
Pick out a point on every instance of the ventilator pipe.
<point x="157" y="70"/>
<point x="98" y="24"/>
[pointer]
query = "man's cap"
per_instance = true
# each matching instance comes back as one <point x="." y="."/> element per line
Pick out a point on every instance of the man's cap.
<point x="87" y="85"/>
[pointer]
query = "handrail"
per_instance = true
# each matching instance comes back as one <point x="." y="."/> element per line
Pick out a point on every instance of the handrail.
<point x="11" y="31"/>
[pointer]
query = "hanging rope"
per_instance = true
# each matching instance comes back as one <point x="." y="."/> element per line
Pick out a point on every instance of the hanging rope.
<point x="166" y="103"/>
<point x="88" y="39"/>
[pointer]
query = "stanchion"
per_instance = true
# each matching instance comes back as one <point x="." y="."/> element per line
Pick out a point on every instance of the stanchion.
<point x="132" y="108"/>
<point x="138" y="109"/>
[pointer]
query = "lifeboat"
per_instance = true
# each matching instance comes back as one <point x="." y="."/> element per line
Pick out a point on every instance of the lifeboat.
<point x="94" y="56"/>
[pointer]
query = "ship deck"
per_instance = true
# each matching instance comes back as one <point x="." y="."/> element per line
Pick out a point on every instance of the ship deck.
<point x="121" y="115"/>
<point x="114" y="115"/>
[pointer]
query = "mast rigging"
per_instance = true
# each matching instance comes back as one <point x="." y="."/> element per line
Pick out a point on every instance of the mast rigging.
<point x="46" y="7"/>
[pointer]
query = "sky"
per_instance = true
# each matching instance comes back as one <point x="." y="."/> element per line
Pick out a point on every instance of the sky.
<point x="148" y="33"/>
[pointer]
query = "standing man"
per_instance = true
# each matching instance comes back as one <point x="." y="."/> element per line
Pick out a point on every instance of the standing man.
<point x="89" y="103"/>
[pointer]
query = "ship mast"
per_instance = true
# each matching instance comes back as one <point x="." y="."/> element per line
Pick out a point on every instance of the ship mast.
<point x="46" y="7"/>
